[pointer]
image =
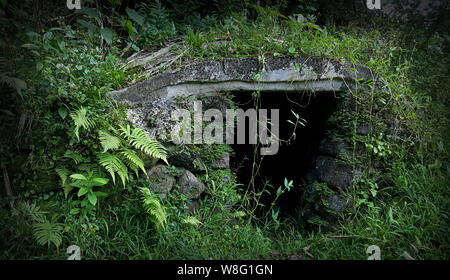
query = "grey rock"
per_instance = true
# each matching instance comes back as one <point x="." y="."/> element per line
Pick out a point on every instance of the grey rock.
<point x="191" y="187"/>
<point x="335" y="173"/>
<point x="311" y="176"/>
<point x="189" y="162"/>
<point x="333" y="147"/>
<point x="222" y="162"/>
<point x="405" y="11"/>
<point x="338" y="204"/>
<point x="363" y="129"/>
<point x="161" y="182"/>
<point x="193" y="206"/>
<point x="312" y="162"/>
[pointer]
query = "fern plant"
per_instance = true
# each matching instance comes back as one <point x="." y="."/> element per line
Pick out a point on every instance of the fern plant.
<point x="113" y="164"/>
<point x="63" y="174"/>
<point x="81" y="120"/>
<point x="6" y="79"/>
<point x="30" y="211"/>
<point x="75" y="156"/>
<point x="139" y="139"/>
<point x="158" y="26"/>
<point x="46" y="232"/>
<point x="153" y="208"/>
<point x="191" y="220"/>
<point x="108" y="141"/>
<point x="118" y="155"/>
<point x="122" y="148"/>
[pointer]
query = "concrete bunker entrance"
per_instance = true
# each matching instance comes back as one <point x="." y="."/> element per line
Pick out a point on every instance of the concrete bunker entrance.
<point x="297" y="148"/>
<point x="306" y="85"/>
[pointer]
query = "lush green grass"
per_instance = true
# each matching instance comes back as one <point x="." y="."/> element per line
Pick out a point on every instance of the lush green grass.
<point x="417" y="224"/>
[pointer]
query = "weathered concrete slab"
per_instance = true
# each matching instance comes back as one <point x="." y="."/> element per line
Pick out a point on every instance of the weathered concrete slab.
<point x="246" y="74"/>
<point x="154" y="99"/>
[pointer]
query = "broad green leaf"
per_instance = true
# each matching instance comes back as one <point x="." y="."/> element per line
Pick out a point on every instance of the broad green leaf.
<point x="84" y="203"/>
<point x="62" y="111"/>
<point x="128" y="25"/>
<point x="78" y="184"/>
<point x="47" y="36"/>
<point x="373" y="192"/>
<point x="107" y="34"/>
<point x="82" y="191"/>
<point x="135" y="16"/>
<point x="92" y="198"/>
<point x="78" y="177"/>
<point x="91" y="27"/>
<point x="57" y="45"/>
<point x="100" y="181"/>
<point x="87" y="11"/>
<point x="100" y="194"/>
<point x="279" y="191"/>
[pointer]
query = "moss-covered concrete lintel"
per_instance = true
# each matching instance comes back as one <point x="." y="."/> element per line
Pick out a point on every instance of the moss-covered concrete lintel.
<point x="246" y="74"/>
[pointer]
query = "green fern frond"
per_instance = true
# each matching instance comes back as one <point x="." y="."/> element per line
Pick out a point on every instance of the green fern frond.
<point x="46" y="232"/>
<point x="108" y="141"/>
<point x="132" y="160"/>
<point x="191" y="220"/>
<point x="81" y="120"/>
<point x="29" y="210"/>
<point x="75" y="156"/>
<point x="14" y="83"/>
<point x="125" y="131"/>
<point x="63" y="174"/>
<point x="113" y="164"/>
<point x="6" y="79"/>
<point x="140" y="140"/>
<point x="123" y="174"/>
<point x="3" y="63"/>
<point x="153" y="208"/>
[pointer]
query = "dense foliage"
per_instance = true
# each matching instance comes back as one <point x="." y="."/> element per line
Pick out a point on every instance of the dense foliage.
<point x="73" y="169"/>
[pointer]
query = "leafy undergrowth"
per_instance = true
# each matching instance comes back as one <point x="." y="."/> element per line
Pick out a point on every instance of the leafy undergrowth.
<point x="71" y="141"/>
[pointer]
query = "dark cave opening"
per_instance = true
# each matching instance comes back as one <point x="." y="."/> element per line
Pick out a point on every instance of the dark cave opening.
<point x="294" y="158"/>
